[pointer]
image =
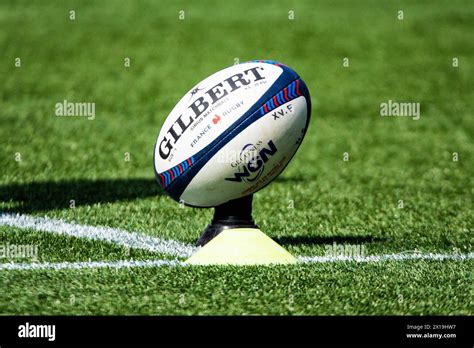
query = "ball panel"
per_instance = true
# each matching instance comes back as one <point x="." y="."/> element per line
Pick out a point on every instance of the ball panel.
<point x="252" y="159"/>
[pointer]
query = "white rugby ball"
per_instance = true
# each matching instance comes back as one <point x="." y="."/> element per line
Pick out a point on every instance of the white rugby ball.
<point x="232" y="134"/>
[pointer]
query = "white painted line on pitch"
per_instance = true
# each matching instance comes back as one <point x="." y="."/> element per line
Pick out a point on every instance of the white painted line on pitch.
<point x="89" y="265"/>
<point x="387" y="257"/>
<point x="106" y="234"/>
<point x="174" y="263"/>
<point x="169" y="247"/>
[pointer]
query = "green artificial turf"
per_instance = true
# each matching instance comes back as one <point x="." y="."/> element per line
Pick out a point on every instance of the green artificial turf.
<point x="389" y="288"/>
<point x="399" y="191"/>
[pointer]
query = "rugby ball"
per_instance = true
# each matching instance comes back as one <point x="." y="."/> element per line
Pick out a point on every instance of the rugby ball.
<point x="232" y="133"/>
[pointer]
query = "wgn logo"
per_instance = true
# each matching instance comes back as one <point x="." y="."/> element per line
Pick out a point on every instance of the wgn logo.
<point x="37" y="331"/>
<point x="252" y="162"/>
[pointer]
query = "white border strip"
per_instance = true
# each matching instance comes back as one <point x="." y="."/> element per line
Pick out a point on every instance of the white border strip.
<point x="388" y="257"/>
<point x="106" y="234"/>
<point x="89" y="265"/>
